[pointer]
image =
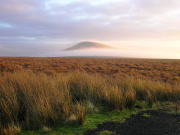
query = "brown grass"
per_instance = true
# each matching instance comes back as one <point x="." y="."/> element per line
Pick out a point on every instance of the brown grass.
<point x="11" y="130"/>
<point x="165" y="70"/>
<point x="32" y="97"/>
<point x="81" y="113"/>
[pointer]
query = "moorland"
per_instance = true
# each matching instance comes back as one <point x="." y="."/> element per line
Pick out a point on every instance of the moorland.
<point x="61" y="95"/>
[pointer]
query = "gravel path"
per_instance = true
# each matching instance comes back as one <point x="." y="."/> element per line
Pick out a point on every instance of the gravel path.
<point x="144" y="123"/>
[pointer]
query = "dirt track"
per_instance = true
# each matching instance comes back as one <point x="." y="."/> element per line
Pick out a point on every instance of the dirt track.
<point x="144" y="123"/>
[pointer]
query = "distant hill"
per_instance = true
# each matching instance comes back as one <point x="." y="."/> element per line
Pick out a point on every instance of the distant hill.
<point x="88" y="45"/>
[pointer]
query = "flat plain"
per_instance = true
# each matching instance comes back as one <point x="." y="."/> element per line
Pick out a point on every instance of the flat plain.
<point x="75" y="95"/>
<point x="160" y="69"/>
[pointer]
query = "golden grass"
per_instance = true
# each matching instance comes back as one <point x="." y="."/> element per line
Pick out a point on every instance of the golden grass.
<point x="81" y="113"/>
<point x="33" y="98"/>
<point x="38" y="99"/>
<point x="11" y="130"/>
<point x="165" y="70"/>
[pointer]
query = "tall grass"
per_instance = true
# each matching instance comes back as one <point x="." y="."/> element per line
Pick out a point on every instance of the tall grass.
<point x="34" y="100"/>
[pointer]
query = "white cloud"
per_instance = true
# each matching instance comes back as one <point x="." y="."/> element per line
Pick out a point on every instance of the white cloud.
<point x="115" y="53"/>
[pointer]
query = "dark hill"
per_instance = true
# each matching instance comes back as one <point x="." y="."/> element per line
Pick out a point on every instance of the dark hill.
<point x="88" y="45"/>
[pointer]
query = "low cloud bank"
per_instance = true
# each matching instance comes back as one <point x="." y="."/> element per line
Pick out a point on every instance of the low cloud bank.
<point x="114" y="53"/>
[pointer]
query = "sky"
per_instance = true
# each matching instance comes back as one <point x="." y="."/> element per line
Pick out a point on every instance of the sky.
<point x="139" y="28"/>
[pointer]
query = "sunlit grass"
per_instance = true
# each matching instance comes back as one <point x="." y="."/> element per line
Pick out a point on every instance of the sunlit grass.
<point x="164" y="70"/>
<point x="50" y="94"/>
<point x="34" y="100"/>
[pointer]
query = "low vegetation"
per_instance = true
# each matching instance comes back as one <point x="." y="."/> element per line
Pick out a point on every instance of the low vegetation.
<point x="164" y="70"/>
<point x="32" y="100"/>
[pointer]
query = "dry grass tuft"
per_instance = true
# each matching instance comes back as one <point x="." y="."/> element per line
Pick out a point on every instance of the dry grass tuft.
<point x="46" y="129"/>
<point x="11" y="130"/>
<point x="81" y="113"/>
<point x="72" y="118"/>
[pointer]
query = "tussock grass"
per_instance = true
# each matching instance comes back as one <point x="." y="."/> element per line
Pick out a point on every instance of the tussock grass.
<point x="11" y="130"/>
<point x="81" y="113"/>
<point x="45" y="129"/>
<point x="35" y="99"/>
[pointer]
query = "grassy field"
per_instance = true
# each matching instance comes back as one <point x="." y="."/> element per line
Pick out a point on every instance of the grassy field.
<point x="165" y="70"/>
<point x="41" y="95"/>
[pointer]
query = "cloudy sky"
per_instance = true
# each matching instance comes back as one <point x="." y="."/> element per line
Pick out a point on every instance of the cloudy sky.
<point x="140" y="28"/>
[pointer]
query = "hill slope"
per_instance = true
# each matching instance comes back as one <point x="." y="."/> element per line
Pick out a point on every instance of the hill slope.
<point x="88" y="45"/>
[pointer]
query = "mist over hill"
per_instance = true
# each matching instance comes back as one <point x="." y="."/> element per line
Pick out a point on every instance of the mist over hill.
<point x="89" y="45"/>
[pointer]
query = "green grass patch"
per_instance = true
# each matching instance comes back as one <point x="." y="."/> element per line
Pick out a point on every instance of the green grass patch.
<point x="92" y="120"/>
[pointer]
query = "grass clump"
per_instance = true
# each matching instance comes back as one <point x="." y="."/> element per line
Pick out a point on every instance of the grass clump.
<point x="72" y="118"/>
<point x="46" y="129"/>
<point x="81" y="113"/>
<point x="90" y="108"/>
<point x="11" y="130"/>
